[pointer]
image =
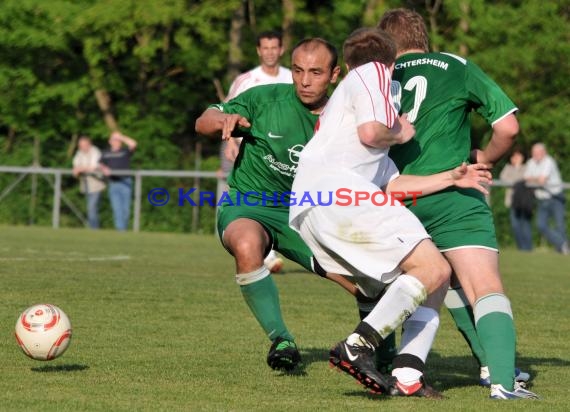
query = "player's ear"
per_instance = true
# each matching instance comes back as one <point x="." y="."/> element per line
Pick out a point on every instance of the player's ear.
<point x="391" y="68"/>
<point x="335" y="73"/>
<point x="281" y="51"/>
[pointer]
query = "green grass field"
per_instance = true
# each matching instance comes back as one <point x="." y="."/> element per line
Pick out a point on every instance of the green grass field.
<point x="159" y="324"/>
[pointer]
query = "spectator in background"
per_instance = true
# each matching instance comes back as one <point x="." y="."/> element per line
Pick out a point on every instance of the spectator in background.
<point x="120" y="187"/>
<point x="519" y="200"/>
<point x="542" y="170"/>
<point x="269" y="49"/>
<point x="85" y="164"/>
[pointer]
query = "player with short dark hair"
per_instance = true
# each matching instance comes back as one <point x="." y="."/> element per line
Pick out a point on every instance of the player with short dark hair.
<point x="269" y="50"/>
<point x="439" y="91"/>
<point x="276" y="121"/>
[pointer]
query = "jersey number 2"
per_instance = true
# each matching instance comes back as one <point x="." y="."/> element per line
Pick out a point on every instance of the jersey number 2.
<point x="419" y="83"/>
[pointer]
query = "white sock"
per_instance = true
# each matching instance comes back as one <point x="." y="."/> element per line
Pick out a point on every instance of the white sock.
<point x="417" y="339"/>
<point x="243" y="279"/>
<point x="419" y="332"/>
<point x="407" y="376"/>
<point x="401" y="300"/>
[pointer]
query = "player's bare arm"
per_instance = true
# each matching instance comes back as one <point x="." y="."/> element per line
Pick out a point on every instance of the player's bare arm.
<point x="472" y="176"/>
<point x="376" y="134"/>
<point x="214" y="123"/>
<point x="504" y="135"/>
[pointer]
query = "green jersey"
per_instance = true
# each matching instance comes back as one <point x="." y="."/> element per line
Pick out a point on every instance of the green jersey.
<point x="439" y="91"/>
<point x="280" y="128"/>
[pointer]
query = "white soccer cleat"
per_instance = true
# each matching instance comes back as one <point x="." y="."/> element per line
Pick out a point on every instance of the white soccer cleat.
<point x="273" y="262"/>
<point x="498" y="392"/>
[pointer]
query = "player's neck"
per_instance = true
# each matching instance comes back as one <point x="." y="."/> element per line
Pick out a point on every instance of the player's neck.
<point x="317" y="108"/>
<point x="270" y="71"/>
<point x="410" y="51"/>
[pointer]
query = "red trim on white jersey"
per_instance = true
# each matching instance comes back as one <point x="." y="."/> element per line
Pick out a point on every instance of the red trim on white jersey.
<point x="384" y="85"/>
<point x="369" y="94"/>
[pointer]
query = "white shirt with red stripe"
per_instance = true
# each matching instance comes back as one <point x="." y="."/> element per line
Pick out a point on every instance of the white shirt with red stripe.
<point x="335" y="153"/>
<point x="257" y="77"/>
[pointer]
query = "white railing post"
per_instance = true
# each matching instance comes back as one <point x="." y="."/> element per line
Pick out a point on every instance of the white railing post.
<point x="56" y="199"/>
<point x="137" y="211"/>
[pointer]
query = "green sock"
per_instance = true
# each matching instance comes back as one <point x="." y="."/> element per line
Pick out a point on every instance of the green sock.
<point x="496" y="330"/>
<point x="262" y="297"/>
<point x="462" y="314"/>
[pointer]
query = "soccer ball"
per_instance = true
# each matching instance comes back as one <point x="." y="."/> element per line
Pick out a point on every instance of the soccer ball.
<point x="43" y="332"/>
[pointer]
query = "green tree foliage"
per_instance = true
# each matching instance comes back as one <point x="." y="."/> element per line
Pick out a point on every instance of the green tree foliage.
<point x="156" y="62"/>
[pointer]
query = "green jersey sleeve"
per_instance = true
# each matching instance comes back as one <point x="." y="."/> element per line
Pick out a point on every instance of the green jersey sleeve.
<point x="242" y="104"/>
<point x="488" y="99"/>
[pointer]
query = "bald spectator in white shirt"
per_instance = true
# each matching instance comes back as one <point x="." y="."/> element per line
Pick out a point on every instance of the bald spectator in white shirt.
<point x="541" y="169"/>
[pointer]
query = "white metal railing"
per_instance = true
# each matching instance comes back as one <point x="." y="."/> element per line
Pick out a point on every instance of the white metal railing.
<point x="138" y="176"/>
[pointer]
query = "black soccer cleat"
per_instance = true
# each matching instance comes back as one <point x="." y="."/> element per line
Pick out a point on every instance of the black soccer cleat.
<point x="283" y="355"/>
<point x="420" y="389"/>
<point x="358" y="362"/>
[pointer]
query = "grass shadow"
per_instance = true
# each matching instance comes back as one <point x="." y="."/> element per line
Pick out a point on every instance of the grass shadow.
<point x="446" y="372"/>
<point x="364" y="393"/>
<point x="73" y="367"/>
<point x="308" y="356"/>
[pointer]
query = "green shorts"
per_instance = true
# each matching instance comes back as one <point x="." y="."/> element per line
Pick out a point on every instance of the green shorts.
<point x="275" y="220"/>
<point x="456" y="218"/>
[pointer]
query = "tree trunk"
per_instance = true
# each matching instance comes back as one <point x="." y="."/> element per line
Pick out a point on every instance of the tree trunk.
<point x="11" y="138"/>
<point x="235" y="55"/>
<point x="251" y="14"/>
<point x="72" y="145"/>
<point x="433" y="9"/>
<point x="104" y="103"/>
<point x="464" y="27"/>
<point x="287" y="25"/>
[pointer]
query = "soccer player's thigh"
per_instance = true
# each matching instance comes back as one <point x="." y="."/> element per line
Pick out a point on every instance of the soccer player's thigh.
<point x="288" y="242"/>
<point x="427" y="264"/>
<point x="462" y="227"/>
<point x="243" y="235"/>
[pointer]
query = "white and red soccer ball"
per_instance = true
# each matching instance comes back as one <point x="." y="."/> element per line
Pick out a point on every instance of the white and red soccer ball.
<point x="43" y="332"/>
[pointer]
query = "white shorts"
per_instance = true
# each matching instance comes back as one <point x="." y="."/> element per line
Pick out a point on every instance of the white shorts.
<point x="366" y="242"/>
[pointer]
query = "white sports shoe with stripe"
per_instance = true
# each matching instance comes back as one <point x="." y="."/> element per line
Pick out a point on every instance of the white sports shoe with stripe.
<point x="498" y="392"/>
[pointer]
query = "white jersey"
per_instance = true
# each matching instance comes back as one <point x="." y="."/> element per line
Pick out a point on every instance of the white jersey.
<point x="257" y="77"/>
<point x="335" y="157"/>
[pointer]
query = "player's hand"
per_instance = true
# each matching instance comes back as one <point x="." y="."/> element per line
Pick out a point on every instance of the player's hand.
<point x="407" y="131"/>
<point x="478" y="156"/>
<point x="472" y="176"/>
<point x="232" y="150"/>
<point x="232" y="121"/>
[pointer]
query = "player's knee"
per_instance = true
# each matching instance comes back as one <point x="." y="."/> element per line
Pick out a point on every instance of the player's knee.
<point x="441" y="272"/>
<point x="247" y="247"/>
